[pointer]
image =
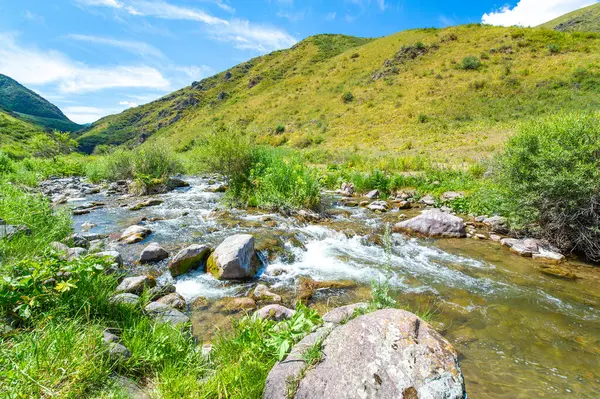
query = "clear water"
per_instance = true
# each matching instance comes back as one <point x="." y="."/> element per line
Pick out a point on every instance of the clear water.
<point x="520" y="333"/>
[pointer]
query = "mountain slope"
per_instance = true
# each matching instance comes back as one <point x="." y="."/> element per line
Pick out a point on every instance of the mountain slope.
<point x="585" y="19"/>
<point x="31" y="106"/>
<point x="411" y="93"/>
<point x="14" y="133"/>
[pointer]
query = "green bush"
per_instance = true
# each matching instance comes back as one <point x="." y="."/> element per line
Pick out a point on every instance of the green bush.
<point x="470" y="63"/>
<point x="280" y="129"/>
<point x="6" y="165"/>
<point x="550" y="171"/>
<point x="145" y="163"/>
<point x="348" y="97"/>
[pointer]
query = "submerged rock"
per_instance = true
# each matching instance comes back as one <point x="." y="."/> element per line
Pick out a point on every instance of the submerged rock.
<point x="234" y="259"/>
<point x="189" y="258"/>
<point x="262" y="293"/>
<point x="135" y="233"/>
<point x="153" y="253"/>
<point x="307" y="287"/>
<point x="136" y="285"/>
<point x="434" y="223"/>
<point x="159" y="291"/>
<point x="145" y="204"/>
<point x="234" y="304"/>
<point x="390" y="353"/>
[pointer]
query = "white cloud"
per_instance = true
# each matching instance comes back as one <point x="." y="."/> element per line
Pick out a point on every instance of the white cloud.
<point x="31" y="66"/>
<point x="533" y="12"/>
<point x="29" y="16"/>
<point x="331" y="16"/>
<point x="82" y="115"/>
<point x="242" y="33"/>
<point x="292" y="16"/>
<point x="135" y="47"/>
<point x="195" y="72"/>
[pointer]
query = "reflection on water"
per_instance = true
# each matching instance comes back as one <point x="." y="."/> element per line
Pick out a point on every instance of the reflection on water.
<point x="520" y="333"/>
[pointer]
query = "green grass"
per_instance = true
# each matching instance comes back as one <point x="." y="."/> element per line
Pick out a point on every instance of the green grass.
<point x="302" y="88"/>
<point x="586" y="19"/>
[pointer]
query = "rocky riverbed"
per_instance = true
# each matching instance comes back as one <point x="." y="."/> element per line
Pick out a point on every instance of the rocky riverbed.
<point x="523" y="327"/>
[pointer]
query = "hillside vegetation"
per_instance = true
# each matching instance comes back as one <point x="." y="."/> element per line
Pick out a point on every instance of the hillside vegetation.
<point x="586" y="19"/>
<point x="15" y="132"/>
<point x="32" y="107"/>
<point x="451" y="94"/>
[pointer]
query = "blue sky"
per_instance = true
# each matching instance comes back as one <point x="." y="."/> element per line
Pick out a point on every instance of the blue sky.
<point x="97" y="57"/>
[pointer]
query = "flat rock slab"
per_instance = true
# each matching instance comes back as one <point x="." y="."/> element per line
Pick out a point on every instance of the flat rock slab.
<point x="386" y="354"/>
<point x="166" y="314"/>
<point x="434" y="223"/>
<point x="343" y="313"/>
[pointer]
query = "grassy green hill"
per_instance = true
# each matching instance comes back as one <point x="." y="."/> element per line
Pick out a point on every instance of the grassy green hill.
<point x="586" y="19"/>
<point x="14" y="132"/>
<point x="453" y="94"/>
<point x="29" y="105"/>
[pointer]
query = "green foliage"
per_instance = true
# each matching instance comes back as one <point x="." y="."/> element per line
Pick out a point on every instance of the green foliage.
<point x="280" y="129"/>
<point x="6" y="164"/>
<point x="348" y="97"/>
<point x="33" y="211"/>
<point x="52" y="145"/>
<point x="144" y="163"/>
<point x="553" y="48"/>
<point x="257" y="176"/>
<point x="470" y="63"/>
<point x="241" y="360"/>
<point x="550" y="172"/>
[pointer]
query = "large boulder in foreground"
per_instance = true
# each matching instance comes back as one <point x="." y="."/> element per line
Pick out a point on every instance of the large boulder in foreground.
<point x="189" y="258"/>
<point x="434" y="223"/>
<point x="390" y="353"/>
<point x="234" y="259"/>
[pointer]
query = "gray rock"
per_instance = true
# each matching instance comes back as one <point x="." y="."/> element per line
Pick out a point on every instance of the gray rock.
<point x="548" y="256"/>
<point x="188" y="259"/>
<point x="497" y="224"/>
<point x="343" y="313"/>
<point x="427" y="200"/>
<point x="374" y="194"/>
<point x="390" y="353"/>
<point x="79" y="240"/>
<point x="108" y="337"/>
<point x="166" y="314"/>
<point x="153" y="253"/>
<point x="285" y="373"/>
<point x="234" y="258"/>
<point x="126" y="298"/>
<point x="521" y="247"/>
<point x="275" y="312"/>
<point x="59" y="247"/>
<point x="379" y="206"/>
<point x="112" y="256"/>
<point x="118" y="352"/>
<point x="347" y="189"/>
<point x="77" y="252"/>
<point x="262" y="293"/>
<point x="136" y="285"/>
<point x="434" y="223"/>
<point x="130" y="387"/>
<point x="159" y="291"/>
<point x="173" y="300"/>
<point x="452" y="195"/>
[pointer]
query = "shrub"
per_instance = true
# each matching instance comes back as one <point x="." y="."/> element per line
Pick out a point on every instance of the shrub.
<point x="551" y="173"/>
<point x="6" y="165"/>
<point x="470" y="63"/>
<point x="348" y="97"/>
<point x="553" y="48"/>
<point x="280" y="129"/>
<point x="423" y="118"/>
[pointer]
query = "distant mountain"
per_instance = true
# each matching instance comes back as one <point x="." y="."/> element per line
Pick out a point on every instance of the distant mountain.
<point x="32" y="107"/>
<point x="453" y="94"/>
<point x="585" y="19"/>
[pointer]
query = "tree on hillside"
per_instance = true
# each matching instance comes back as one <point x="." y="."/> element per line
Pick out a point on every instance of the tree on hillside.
<point x="51" y="145"/>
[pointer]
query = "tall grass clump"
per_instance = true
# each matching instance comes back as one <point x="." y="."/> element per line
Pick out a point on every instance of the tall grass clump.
<point x="258" y="176"/>
<point x="550" y="172"/>
<point x="144" y="163"/>
<point x="41" y="224"/>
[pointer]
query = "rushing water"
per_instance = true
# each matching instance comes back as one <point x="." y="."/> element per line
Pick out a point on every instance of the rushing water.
<point x="520" y="333"/>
